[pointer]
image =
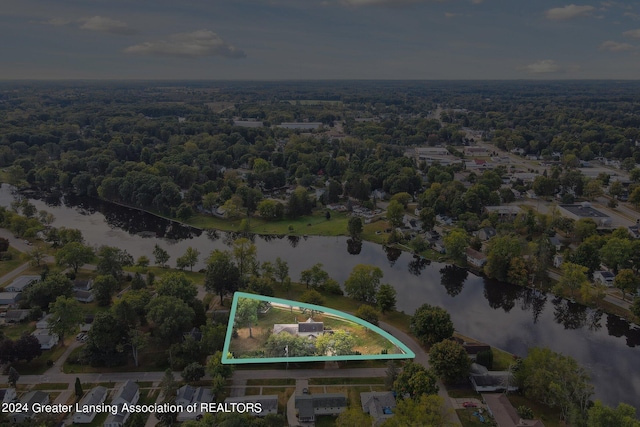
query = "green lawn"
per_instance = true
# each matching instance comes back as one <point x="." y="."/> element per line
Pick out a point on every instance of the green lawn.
<point x="469" y="420"/>
<point x="272" y="381"/>
<point x="325" y="421"/>
<point x="549" y="416"/>
<point x="51" y="386"/>
<point x="16" y="330"/>
<point x="459" y="393"/>
<point x="17" y="259"/>
<point x="339" y="381"/>
<point x="39" y="365"/>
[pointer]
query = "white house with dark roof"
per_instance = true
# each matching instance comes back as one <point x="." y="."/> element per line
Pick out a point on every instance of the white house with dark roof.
<point x="310" y="406"/>
<point x="604" y="277"/>
<point x="46" y="338"/>
<point x="29" y="400"/>
<point x="20" y="283"/>
<point x="129" y="393"/>
<point x="302" y="329"/>
<point x="187" y="395"/>
<point x="9" y="298"/>
<point x="7" y="395"/>
<point x="95" y="396"/>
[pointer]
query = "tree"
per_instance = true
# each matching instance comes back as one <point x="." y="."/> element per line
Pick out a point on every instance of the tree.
<point x="555" y="380"/>
<point x="37" y="255"/>
<point x="221" y="275"/>
<point x="600" y="415"/>
<point x="103" y="287"/>
<point x="170" y="316"/>
<point x="593" y="189"/>
<point x="354" y="227"/>
<point x="78" y="389"/>
<point x="247" y="313"/>
<point x="635" y="307"/>
<point x="44" y="292"/>
<point x="386" y="298"/>
<point x="299" y="203"/>
<point x="616" y="253"/>
<point x="416" y="380"/>
<point x="244" y="252"/>
<point x="363" y="283"/>
<point x="74" y="255"/>
<point x="315" y="276"/>
<point x="431" y="324"/>
<point x="353" y="417"/>
<point x="449" y="361"/>
<point x="340" y="343"/>
<point x="189" y="259"/>
<point x="193" y="372"/>
<point x="66" y="315"/>
<point x="136" y="340"/>
<point x="312" y="297"/>
<point x="270" y="209"/>
<point x="142" y="262"/>
<point x="395" y="213"/>
<point x="518" y="272"/>
<point x="177" y="285"/>
<point x="168" y="385"/>
<point x="106" y="335"/>
<point x="634" y="197"/>
<point x="111" y="260"/>
<point x="627" y="281"/>
<point x="616" y="189"/>
<point x="455" y="244"/>
<point x="428" y="218"/>
<point x="502" y="249"/>
<point x="161" y="256"/>
<point x="428" y="410"/>
<point x="281" y="270"/>
<point x="218" y="371"/>
<point x="13" y="376"/>
<point x="368" y="313"/>
<point x="584" y="227"/>
<point x="286" y="345"/>
<point x="572" y="278"/>
<point x="27" y="347"/>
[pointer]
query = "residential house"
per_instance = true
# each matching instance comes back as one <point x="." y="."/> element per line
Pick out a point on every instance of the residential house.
<point x="268" y="402"/>
<point x="484" y="380"/>
<point x="7" y="395"/>
<point x="505" y="213"/>
<point x="475" y="258"/>
<point x="28" y="401"/>
<point x="95" y="396"/>
<point x="15" y="316"/>
<point x="83" y="296"/>
<point x="129" y="393"/>
<point x="83" y="285"/>
<point x="46" y="339"/>
<point x="188" y="395"/>
<point x="378" y="404"/>
<point x="309" y="329"/>
<point x="555" y="242"/>
<point x="20" y="283"/>
<point x="504" y="414"/>
<point x="558" y="260"/>
<point x="486" y="233"/>
<point x="438" y="246"/>
<point x="604" y="277"/>
<point x="44" y="322"/>
<point x="310" y="406"/>
<point x="634" y="231"/>
<point x="9" y="298"/>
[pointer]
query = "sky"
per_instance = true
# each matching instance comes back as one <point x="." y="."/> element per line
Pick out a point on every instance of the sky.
<point x="319" y="39"/>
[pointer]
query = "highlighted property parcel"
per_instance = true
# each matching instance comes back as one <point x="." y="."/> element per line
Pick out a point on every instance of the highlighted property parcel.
<point x="265" y="329"/>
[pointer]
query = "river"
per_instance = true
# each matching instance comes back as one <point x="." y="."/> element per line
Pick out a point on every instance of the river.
<point x="503" y="315"/>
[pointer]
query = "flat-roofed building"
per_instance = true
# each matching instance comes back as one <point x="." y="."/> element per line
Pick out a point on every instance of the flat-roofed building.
<point x="20" y="283"/>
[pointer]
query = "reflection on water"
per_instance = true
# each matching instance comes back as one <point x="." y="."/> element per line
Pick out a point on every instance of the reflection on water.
<point x="503" y="315"/>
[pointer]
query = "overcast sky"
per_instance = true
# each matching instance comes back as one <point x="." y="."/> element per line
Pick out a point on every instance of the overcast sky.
<point x="319" y="39"/>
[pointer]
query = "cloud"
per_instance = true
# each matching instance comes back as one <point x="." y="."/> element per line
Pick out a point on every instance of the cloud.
<point x="194" y="44"/>
<point x="542" y="67"/>
<point x="95" y="23"/>
<point x="106" y="25"/>
<point x="612" y="46"/>
<point x="568" y="12"/>
<point x="634" y="34"/>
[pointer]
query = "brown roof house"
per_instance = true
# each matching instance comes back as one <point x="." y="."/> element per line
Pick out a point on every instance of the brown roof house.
<point x="475" y="258"/>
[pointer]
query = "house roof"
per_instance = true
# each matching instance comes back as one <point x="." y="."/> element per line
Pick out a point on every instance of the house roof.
<point x="127" y="391"/>
<point x="16" y="315"/>
<point x="324" y="400"/>
<point x="95" y="396"/>
<point x="472" y="253"/>
<point x="21" y="282"/>
<point x="310" y="326"/>
<point x="378" y="404"/>
<point x="34" y="397"/>
<point x="186" y="392"/>
<point x="605" y="274"/>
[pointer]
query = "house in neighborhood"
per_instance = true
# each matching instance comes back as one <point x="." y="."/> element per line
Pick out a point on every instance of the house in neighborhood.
<point x="95" y="396"/>
<point x="310" y="406"/>
<point x="555" y="242"/>
<point x="557" y="260"/>
<point x="269" y="403"/>
<point x="438" y="246"/>
<point x="475" y="258"/>
<point x="9" y="298"/>
<point x="634" y="231"/>
<point x="379" y="404"/>
<point x="21" y="283"/>
<point x="505" y="213"/>
<point x="188" y="395"/>
<point x="128" y="394"/>
<point x="28" y="401"/>
<point x="44" y="322"/>
<point x="309" y="329"/>
<point x="7" y="395"/>
<point x="484" y="380"/>
<point x="504" y="414"/>
<point x="604" y="277"/>
<point x="83" y="296"/>
<point x="486" y="233"/>
<point x="15" y="316"/>
<point x="46" y="338"/>
<point x="83" y="285"/>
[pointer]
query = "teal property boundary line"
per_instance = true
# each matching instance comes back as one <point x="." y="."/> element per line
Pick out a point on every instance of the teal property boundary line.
<point x="228" y="359"/>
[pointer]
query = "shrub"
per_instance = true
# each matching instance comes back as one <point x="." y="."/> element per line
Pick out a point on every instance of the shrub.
<point x="485" y="358"/>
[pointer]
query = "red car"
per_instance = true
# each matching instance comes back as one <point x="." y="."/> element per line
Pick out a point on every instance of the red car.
<point x="469" y="405"/>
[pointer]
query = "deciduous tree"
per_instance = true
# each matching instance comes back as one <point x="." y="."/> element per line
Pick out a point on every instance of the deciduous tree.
<point x="431" y="324"/>
<point x="386" y="298"/>
<point x="363" y="283"/>
<point x="449" y="360"/>
<point x="66" y="315"/>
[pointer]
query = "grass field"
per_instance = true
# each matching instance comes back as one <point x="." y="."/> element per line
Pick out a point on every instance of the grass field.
<point x="39" y="365"/>
<point x="17" y="259"/>
<point x="549" y="416"/>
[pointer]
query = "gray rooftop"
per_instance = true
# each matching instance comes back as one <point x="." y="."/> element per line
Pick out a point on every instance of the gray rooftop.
<point x="584" y="211"/>
<point x="21" y="282"/>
